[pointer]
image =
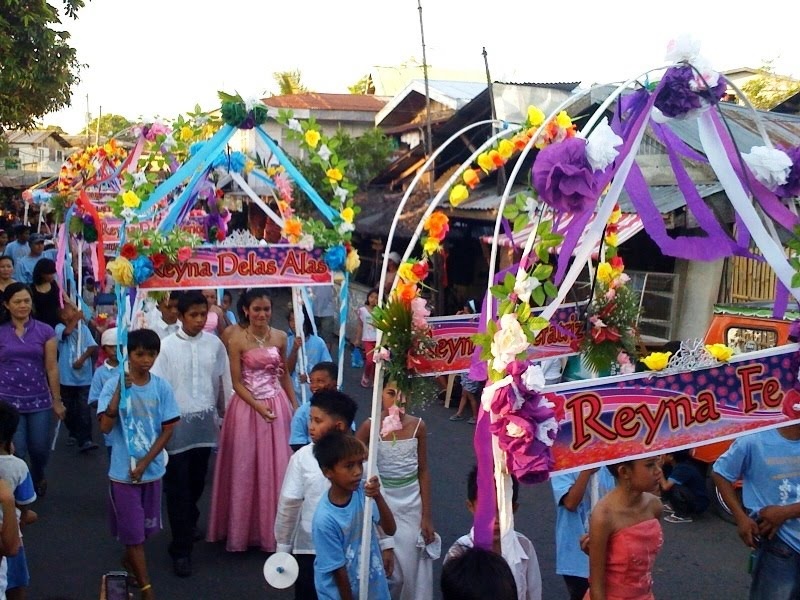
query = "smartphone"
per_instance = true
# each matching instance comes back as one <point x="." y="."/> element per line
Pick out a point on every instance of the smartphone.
<point x="116" y="583"/>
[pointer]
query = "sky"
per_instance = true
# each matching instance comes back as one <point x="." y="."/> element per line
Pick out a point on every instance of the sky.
<point x="159" y="58"/>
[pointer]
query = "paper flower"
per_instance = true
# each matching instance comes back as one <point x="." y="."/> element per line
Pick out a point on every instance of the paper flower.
<point x="769" y="165"/>
<point x="437" y="225"/>
<point x="604" y="272"/>
<point x="431" y="246"/>
<point x="563" y="177"/>
<point x="471" y="178"/>
<point x="393" y="421"/>
<point x="507" y="342"/>
<point x="524" y="286"/>
<point x="334" y="175"/>
<point x="533" y="378"/>
<point x="484" y="162"/>
<point x="791" y="404"/>
<point x="406" y="272"/>
<point x="128" y="251"/>
<point x="142" y="269"/>
<point x="458" y="194"/>
<point x="535" y="116"/>
<point x="306" y="241"/>
<point x="719" y="351"/>
<point x="324" y="152"/>
<point x="505" y="149"/>
<point x="340" y="193"/>
<point x="184" y="253"/>
<point x="139" y="179"/>
<point x="335" y="257"/>
<point x="347" y="215"/>
<point x="121" y="271"/>
<point x="292" y="229"/>
<point x="130" y="199"/>
<point x="656" y="361"/>
<point x="312" y="138"/>
<point x="294" y="125"/>
<point x="420" y="269"/>
<point x="353" y="261"/>
<point x="679" y="95"/>
<point x="419" y="313"/>
<point x="601" y="146"/>
<point x="683" y="48"/>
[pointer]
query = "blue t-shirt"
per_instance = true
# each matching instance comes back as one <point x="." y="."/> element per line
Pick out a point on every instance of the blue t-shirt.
<point x="769" y="464"/>
<point x="69" y="351"/>
<point x="23" y="268"/>
<point x="688" y="475"/>
<point x="570" y="526"/>
<point x="316" y="352"/>
<point x="299" y="429"/>
<point x="149" y="407"/>
<point x="336" y="531"/>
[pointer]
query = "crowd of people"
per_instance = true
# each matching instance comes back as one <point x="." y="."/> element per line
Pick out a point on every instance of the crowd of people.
<point x="206" y="383"/>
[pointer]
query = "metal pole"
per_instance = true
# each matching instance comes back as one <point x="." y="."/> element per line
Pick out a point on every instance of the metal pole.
<point x="501" y="172"/>
<point x="429" y="136"/>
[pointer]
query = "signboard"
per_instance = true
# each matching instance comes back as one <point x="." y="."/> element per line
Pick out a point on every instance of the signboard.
<point x="454" y="347"/>
<point x="646" y="414"/>
<point x="276" y="265"/>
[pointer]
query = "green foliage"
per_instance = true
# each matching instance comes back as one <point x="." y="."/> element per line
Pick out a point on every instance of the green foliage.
<point x="618" y="314"/>
<point x="362" y="87"/>
<point x="794" y="255"/>
<point x="39" y="67"/>
<point x="768" y="89"/>
<point x="110" y="125"/>
<point x="289" y="82"/>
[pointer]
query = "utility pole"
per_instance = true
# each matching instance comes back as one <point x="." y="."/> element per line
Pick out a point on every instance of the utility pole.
<point x="88" y="119"/>
<point x="97" y="129"/>
<point x="428" y="135"/>
<point x="501" y="172"/>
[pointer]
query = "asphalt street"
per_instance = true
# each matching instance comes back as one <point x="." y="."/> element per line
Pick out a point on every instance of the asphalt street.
<point x="70" y="547"/>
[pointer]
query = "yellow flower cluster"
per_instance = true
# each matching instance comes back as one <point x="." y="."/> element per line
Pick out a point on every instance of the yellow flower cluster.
<point x="657" y="361"/>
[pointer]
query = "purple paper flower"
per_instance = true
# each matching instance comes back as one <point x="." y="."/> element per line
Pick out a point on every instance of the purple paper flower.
<point x="791" y="188"/>
<point x="676" y="97"/>
<point x="563" y="177"/>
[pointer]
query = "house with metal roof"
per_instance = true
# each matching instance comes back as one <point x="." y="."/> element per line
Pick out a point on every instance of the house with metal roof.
<point x="31" y="156"/>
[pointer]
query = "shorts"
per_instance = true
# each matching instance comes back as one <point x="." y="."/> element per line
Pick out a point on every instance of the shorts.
<point x="134" y="511"/>
<point x="18" y="575"/>
<point x="470" y="385"/>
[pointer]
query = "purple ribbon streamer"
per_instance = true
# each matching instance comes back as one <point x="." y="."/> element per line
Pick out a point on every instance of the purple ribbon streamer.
<point x="486" y="511"/>
<point x="781" y="300"/>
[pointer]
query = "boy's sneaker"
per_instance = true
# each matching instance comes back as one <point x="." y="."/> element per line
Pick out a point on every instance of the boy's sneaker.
<point x="668" y="509"/>
<point x="88" y="445"/>
<point x="674" y="518"/>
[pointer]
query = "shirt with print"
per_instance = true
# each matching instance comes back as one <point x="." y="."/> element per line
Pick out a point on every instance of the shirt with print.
<point x="23" y="380"/>
<point x="149" y="407"/>
<point x="336" y="532"/>
<point x="769" y="464"/>
<point x="70" y="348"/>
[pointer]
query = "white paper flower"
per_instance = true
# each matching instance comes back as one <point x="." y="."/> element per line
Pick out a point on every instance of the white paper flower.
<point x="544" y="429"/>
<point x="683" y="48"/>
<point x="507" y="342"/>
<point x="601" y="146"/>
<point x="128" y="214"/>
<point x="201" y="120"/>
<point x="515" y="430"/>
<point x="345" y="227"/>
<point x="294" y="125"/>
<point x="530" y="206"/>
<point x="169" y="143"/>
<point x="533" y="378"/>
<point x="324" y="152"/>
<point x="139" y="179"/>
<point x="525" y="286"/>
<point x="340" y="193"/>
<point x="769" y="165"/>
<point x="251" y="102"/>
<point x="306" y="242"/>
<point x="704" y="77"/>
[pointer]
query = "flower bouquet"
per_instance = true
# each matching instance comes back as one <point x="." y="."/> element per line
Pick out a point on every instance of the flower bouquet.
<point x="148" y="250"/>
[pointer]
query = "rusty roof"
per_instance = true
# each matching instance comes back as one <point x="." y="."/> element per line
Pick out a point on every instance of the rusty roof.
<point x="34" y="136"/>
<point x="315" y="101"/>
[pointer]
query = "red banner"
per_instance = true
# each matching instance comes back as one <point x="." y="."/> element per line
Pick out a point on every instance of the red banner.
<point x="646" y="414"/>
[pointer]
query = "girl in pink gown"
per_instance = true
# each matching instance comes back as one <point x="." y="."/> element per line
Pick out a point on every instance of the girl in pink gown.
<point x="254" y="442"/>
<point x="625" y="534"/>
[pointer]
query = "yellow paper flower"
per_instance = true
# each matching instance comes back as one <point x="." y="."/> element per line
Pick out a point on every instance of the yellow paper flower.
<point x="347" y="215"/>
<point x="186" y="133"/>
<point x="484" y="162"/>
<point x="612" y="240"/>
<point x="719" y="351"/>
<point x="616" y="215"/>
<point x="312" y="138"/>
<point x="563" y="120"/>
<point x="431" y="246"/>
<point x="505" y="148"/>
<point x="656" y="361"/>
<point x="353" y="261"/>
<point x="131" y="200"/>
<point x="604" y="272"/>
<point x="405" y="273"/>
<point x="273" y="170"/>
<point x="458" y="194"/>
<point x="249" y="165"/>
<point x="121" y="270"/>
<point x="535" y="116"/>
<point x="334" y="175"/>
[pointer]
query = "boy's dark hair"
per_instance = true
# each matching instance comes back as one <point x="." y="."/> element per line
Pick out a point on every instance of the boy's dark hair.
<point x="328" y="366"/>
<point x="681" y="456"/>
<point x="614" y="469"/>
<point x="44" y="266"/>
<point x="335" y="447"/>
<point x="191" y="298"/>
<point x="477" y="574"/>
<point x="144" y="339"/>
<point x="9" y="421"/>
<point x="336" y="404"/>
<point x="472" y="486"/>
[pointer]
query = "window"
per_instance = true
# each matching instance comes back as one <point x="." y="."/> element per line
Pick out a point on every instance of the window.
<point x="747" y="339"/>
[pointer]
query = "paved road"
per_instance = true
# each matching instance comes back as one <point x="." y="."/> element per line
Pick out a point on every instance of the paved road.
<point x="70" y="547"/>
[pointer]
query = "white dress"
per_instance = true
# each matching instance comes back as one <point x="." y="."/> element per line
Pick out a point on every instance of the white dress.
<point x="398" y="467"/>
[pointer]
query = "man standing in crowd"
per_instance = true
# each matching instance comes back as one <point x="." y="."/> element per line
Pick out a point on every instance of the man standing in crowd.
<point x="19" y="247"/>
<point x="23" y="266"/>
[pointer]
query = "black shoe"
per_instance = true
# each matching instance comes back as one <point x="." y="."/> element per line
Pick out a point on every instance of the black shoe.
<point x="182" y="567"/>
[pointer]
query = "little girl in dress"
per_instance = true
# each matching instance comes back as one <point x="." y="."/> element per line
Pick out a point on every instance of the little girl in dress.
<point x="625" y="534"/>
<point x="403" y="468"/>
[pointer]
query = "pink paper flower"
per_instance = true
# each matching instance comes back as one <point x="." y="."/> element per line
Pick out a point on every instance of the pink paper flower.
<point x="393" y="421"/>
<point x="184" y="254"/>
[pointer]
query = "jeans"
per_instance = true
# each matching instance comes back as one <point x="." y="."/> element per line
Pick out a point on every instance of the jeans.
<point x="33" y="439"/>
<point x="184" y="482"/>
<point x="776" y="574"/>
<point x="78" y="419"/>
<point x="304" y="588"/>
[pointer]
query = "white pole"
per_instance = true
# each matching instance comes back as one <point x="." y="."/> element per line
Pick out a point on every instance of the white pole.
<point x="299" y="332"/>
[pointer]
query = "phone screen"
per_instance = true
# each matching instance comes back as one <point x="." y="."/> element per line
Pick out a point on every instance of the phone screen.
<point x="116" y="586"/>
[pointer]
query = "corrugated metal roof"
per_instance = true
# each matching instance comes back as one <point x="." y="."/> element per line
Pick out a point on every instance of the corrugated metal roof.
<point x="668" y="197"/>
<point x="564" y="86"/>
<point x="462" y="91"/>
<point x="35" y="136"/>
<point x="313" y="100"/>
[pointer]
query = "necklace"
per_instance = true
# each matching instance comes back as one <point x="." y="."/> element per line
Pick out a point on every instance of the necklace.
<point x="261" y="341"/>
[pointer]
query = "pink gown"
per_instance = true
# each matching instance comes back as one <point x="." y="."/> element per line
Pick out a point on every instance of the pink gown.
<point x="629" y="563"/>
<point x="252" y="458"/>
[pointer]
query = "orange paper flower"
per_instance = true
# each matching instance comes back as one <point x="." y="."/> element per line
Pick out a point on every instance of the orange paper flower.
<point x="471" y="178"/>
<point x="406" y="292"/>
<point x="437" y="225"/>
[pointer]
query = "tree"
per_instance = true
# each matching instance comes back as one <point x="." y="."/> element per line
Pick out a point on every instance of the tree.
<point x="363" y="86"/>
<point x="110" y="125"/>
<point x="39" y="67"/>
<point x="768" y="89"/>
<point x="289" y="82"/>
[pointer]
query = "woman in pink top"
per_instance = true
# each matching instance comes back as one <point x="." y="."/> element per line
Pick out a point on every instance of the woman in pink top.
<point x="216" y="322"/>
<point x="625" y="534"/>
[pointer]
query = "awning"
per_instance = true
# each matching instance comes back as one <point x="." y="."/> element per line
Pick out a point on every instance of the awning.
<point x="627" y="227"/>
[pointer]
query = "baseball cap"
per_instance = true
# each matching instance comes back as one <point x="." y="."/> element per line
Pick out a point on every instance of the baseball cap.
<point x="36" y="238"/>
<point x="109" y="337"/>
<point x="394" y="257"/>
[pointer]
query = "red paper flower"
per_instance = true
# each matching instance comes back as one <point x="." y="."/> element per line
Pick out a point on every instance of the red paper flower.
<point x="184" y="254"/>
<point x="128" y="251"/>
<point x="616" y="263"/>
<point x="159" y="260"/>
<point x="220" y="235"/>
<point x="420" y="269"/>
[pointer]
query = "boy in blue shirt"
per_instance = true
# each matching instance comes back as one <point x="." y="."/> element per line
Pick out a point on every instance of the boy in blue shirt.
<point x="769" y="464"/>
<point x="108" y="370"/>
<point x="138" y="431"/>
<point x="322" y="377"/>
<point x="684" y="487"/>
<point x="339" y="518"/>
<point x="76" y="347"/>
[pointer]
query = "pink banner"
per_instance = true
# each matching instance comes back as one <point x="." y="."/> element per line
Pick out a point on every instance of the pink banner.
<point x="646" y="414"/>
<point x="276" y="265"/>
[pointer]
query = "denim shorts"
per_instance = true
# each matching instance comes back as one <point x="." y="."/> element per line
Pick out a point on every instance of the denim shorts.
<point x="18" y="575"/>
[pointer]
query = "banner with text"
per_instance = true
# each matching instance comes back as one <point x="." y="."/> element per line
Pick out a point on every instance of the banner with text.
<point x="276" y="265"/>
<point x="634" y="416"/>
<point x="454" y="347"/>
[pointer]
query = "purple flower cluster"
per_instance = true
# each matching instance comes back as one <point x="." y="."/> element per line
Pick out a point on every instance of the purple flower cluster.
<point x="563" y="177"/>
<point x="528" y="458"/>
<point x="791" y="188"/>
<point x="676" y="97"/>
